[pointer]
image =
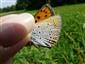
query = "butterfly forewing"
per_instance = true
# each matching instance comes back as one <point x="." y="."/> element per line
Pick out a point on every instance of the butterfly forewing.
<point x="45" y="12"/>
<point x="46" y="32"/>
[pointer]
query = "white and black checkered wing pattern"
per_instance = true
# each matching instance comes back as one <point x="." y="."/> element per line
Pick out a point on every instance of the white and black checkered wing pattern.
<point x="47" y="32"/>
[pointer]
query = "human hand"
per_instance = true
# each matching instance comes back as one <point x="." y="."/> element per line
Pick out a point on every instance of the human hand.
<point x="15" y="30"/>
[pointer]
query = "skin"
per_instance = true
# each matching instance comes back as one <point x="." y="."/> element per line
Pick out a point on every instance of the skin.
<point x="14" y="35"/>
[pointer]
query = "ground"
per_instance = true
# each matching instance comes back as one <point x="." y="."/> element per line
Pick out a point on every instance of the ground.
<point x="70" y="49"/>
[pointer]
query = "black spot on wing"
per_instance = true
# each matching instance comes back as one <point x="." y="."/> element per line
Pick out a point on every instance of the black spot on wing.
<point x="38" y="17"/>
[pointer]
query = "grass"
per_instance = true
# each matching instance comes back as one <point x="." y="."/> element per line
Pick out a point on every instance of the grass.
<point x="70" y="49"/>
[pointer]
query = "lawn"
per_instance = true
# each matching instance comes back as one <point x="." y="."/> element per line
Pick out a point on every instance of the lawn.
<point x="70" y="49"/>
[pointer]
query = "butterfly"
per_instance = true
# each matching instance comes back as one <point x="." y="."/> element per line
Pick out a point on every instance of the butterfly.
<point x="47" y="28"/>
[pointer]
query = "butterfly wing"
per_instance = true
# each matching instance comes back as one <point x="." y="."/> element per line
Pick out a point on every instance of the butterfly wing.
<point x="45" y="12"/>
<point x="47" y="31"/>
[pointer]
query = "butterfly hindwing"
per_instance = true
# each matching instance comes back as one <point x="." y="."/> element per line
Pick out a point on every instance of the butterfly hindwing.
<point x="45" y="12"/>
<point x="47" y="32"/>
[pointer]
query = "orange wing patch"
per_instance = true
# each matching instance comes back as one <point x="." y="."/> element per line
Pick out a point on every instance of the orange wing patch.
<point x="45" y="12"/>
